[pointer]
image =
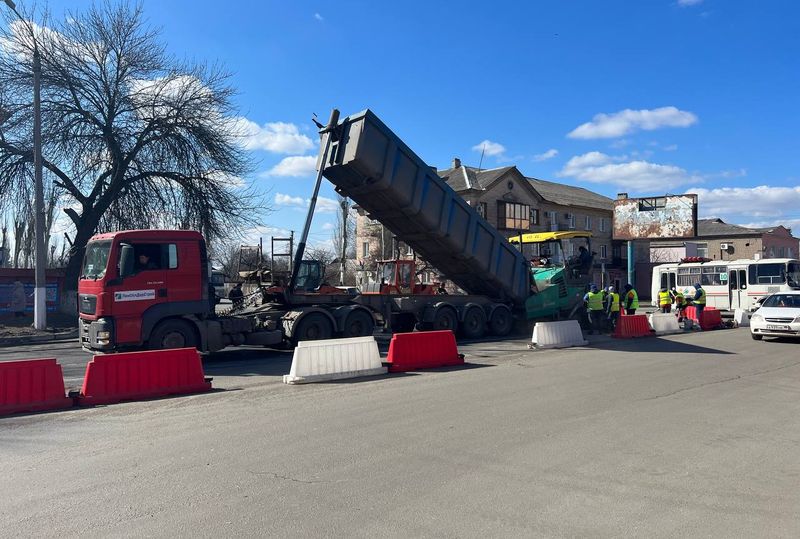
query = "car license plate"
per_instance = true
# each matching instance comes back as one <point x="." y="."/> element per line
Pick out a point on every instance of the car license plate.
<point x="776" y="326"/>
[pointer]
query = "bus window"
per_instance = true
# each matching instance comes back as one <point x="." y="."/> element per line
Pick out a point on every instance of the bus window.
<point x="664" y="277"/>
<point x="767" y="274"/>
<point x="793" y="274"/>
<point x="733" y="282"/>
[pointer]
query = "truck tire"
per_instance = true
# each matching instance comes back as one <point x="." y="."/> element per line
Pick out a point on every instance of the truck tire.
<point x="501" y="321"/>
<point x="312" y="327"/>
<point x="444" y="319"/>
<point x="474" y="324"/>
<point x="358" y="324"/>
<point x="172" y="334"/>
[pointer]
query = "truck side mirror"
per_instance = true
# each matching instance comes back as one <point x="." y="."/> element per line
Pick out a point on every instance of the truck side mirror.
<point x="126" y="258"/>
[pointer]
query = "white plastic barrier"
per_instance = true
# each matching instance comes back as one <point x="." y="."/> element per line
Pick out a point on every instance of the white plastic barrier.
<point x="557" y="334"/>
<point x="664" y="323"/>
<point x="334" y="359"/>
<point x="741" y="318"/>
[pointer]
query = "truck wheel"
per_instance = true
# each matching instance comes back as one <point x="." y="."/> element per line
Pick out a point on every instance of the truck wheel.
<point x="312" y="327"/>
<point x="444" y="319"/>
<point x="501" y="322"/>
<point x="474" y="324"/>
<point x="358" y="324"/>
<point x="172" y="334"/>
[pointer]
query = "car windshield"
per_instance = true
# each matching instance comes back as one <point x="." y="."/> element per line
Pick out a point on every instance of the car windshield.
<point x="95" y="259"/>
<point x="782" y="300"/>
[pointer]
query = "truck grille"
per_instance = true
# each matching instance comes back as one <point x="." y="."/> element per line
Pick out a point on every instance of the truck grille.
<point x="87" y="303"/>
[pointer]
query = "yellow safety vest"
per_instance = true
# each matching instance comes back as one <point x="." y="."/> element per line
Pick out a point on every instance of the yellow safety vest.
<point x="679" y="299"/>
<point x="595" y="301"/>
<point x="702" y="299"/>
<point x="664" y="298"/>
<point x="634" y="299"/>
<point x="614" y="302"/>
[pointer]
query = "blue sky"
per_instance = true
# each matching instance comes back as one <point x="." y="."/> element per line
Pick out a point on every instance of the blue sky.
<point x="648" y="97"/>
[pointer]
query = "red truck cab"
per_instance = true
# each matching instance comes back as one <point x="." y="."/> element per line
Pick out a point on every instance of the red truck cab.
<point x="143" y="288"/>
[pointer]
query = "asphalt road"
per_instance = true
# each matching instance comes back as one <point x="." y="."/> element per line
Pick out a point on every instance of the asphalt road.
<point x="688" y="435"/>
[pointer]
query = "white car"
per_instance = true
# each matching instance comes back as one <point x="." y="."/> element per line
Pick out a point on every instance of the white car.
<point x="778" y="316"/>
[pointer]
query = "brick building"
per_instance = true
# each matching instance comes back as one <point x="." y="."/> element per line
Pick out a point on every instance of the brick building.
<point x="719" y="240"/>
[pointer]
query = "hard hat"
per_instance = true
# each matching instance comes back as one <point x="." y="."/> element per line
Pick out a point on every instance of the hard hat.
<point x="593" y="288"/>
<point x="610" y="288"/>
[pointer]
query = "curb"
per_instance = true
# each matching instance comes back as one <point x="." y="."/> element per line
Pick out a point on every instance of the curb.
<point x="32" y="339"/>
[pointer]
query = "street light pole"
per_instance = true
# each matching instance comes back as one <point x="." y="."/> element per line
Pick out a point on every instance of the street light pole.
<point x="40" y="290"/>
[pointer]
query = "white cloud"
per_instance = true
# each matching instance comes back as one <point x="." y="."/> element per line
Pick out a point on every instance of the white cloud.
<point x="319" y="17"/>
<point x="764" y="204"/>
<point x="328" y="226"/>
<point x="635" y="176"/>
<point x="252" y="235"/>
<point x="686" y="3"/>
<point x="275" y="137"/>
<point x="324" y="205"/>
<point x="294" y="166"/>
<point x="549" y="154"/>
<point x="670" y="148"/>
<point x="628" y="121"/>
<point x="492" y="149"/>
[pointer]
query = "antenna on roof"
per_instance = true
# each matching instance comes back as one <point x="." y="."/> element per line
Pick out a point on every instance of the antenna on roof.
<point x="483" y="151"/>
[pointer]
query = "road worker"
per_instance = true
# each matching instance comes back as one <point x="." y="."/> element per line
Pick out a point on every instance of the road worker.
<point x="612" y="308"/>
<point x="594" y="308"/>
<point x="699" y="300"/>
<point x="631" y="299"/>
<point x="664" y="300"/>
<point x="679" y="300"/>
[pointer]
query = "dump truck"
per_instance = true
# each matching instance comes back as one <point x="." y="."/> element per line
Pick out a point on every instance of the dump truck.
<point x="152" y="288"/>
<point x="367" y="162"/>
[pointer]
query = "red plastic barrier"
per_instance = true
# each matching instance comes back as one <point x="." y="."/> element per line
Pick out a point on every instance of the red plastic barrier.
<point x="635" y="325"/>
<point x="712" y="318"/>
<point x="32" y="385"/>
<point x="423" y="350"/>
<point x="143" y="375"/>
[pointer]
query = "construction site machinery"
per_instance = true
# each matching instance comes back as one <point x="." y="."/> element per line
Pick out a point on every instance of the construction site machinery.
<point x="370" y="164"/>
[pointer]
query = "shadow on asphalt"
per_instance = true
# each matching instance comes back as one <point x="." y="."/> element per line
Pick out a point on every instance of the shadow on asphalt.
<point x="653" y="344"/>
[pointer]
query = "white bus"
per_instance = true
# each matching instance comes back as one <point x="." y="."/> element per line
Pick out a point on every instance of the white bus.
<point x="729" y="284"/>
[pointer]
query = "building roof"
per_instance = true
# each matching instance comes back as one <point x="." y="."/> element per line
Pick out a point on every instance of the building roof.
<point x="570" y="195"/>
<point x="718" y="227"/>
<point x="463" y="178"/>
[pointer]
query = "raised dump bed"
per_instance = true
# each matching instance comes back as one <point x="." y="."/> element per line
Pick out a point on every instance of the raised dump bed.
<point x="371" y="165"/>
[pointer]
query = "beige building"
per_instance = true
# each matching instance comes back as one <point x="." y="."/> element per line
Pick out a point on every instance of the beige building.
<point x="514" y="204"/>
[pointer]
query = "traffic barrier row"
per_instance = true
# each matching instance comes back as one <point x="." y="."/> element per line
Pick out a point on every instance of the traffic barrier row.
<point x="562" y="334"/>
<point x="632" y="325"/>
<point x="37" y="385"/>
<point x="711" y="318"/>
<point x="334" y="359"/>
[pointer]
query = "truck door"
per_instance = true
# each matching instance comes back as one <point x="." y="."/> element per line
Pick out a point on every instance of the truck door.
<point x="138" y="292"/>
<point x="183" y="267"/>
<point x="737" y="288"/>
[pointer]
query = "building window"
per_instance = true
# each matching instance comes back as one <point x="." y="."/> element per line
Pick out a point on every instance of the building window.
<point x="588" y="223"/>
<point x="702" y="250"/>
<point x="571" y="220"/>
<point x="602" y="224"/>
<point x="603" y="252"/>
<point x="534" y="216"/>
<point x="652" y="204"/>
<point x="513" y="216"/>
<point x="365" y="249"/>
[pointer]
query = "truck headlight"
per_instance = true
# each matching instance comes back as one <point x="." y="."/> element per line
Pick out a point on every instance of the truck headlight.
<point x="104" y="335"/>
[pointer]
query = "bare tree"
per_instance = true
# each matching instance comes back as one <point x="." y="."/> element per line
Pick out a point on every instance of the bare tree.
<point x="133" y="138"/>
<point x="344" y="235"/>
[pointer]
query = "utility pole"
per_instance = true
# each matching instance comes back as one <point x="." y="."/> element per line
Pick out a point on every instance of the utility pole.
<point x="345" y="203"/>
<point x="40" y="290"/>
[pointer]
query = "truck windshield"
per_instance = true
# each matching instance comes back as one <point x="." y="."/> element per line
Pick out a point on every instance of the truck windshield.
<point x="793" y="274"/>
<point x="95" y="259"/>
